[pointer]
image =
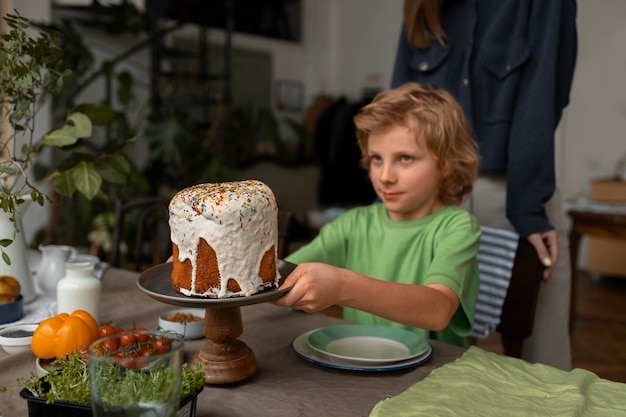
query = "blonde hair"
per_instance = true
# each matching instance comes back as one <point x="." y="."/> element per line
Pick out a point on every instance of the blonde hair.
<point x="421" y="19"/>
<point x="438" y="122"/>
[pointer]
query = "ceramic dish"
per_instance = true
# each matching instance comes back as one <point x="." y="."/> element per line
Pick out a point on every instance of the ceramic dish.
<point x="304" y="351"/>
<point x="10" y="312"/>
<point x="16" y="339"/>
<point x="43" y="366"/>
<point x="187" y="322"/>
<point x="156" y="282"/>
<point x="367" y="344"/>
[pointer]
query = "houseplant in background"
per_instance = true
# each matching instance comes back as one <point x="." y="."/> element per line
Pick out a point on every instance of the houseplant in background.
<point x="177" y="147"/>
<point x="30" y="74"/>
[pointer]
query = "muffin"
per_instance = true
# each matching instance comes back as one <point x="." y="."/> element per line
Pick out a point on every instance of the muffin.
<point x="10" y="289"/>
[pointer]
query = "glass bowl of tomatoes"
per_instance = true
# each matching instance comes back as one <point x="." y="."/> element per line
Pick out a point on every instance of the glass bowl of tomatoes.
<point x="133" y="372"/>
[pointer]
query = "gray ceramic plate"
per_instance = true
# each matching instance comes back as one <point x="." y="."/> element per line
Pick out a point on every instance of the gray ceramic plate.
<point x="156" y="283"/>
<point x="368" y="344"/>
<point x="304" y="351"/>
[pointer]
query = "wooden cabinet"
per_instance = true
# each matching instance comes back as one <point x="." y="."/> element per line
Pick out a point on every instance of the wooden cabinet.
<point x="607" y="256"/>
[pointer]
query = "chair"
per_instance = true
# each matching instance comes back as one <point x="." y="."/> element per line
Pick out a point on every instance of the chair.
<point x="149" y="217"/>
<point x="284" y="232"/>
<point x="510" y="275"/>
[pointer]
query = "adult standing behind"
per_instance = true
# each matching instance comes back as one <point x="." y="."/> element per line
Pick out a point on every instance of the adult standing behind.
<point x="510" y="65"/>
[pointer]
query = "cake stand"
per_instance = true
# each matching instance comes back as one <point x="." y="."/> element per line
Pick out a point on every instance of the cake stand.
<point x="224" y="358"/>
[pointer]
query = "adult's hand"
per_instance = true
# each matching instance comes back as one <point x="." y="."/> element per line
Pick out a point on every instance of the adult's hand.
<point x="547" y="247"/>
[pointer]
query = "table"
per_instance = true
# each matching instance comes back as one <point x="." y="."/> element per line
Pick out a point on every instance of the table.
<point x="592" y="223"/>
<point x="284" y="384"/>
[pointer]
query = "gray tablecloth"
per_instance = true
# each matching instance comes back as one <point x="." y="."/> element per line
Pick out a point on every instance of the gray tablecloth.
<point x="284" y="384"/>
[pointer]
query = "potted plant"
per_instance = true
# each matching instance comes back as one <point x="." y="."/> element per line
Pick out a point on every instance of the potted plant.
<point x="30" y="74"/>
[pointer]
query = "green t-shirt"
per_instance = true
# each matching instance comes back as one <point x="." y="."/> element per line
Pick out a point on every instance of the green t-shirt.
<point x="440" y="248"/>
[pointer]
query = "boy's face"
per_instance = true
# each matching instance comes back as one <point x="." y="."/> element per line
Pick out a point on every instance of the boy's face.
<point x="404" y="174"/>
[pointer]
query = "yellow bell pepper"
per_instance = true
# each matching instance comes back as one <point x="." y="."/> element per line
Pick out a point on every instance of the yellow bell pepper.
<point x="60" y="335"/>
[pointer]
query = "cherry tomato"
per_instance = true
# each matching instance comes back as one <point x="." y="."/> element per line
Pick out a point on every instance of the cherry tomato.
<point x="106" y="347"/>
<point x="127" y="339"/>
<point x="141" y="338"/>
<point x="106" y="330"/>
<point x="145" y="351"/>
<point x="110" y="346"/>
<point x="161" y="345"/>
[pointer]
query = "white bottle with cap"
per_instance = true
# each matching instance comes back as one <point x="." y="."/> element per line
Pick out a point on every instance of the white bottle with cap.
<point x="79" y="289"/>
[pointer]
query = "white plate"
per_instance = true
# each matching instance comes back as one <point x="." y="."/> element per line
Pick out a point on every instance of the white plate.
<point x="303" y="350"/>
<point x="367" y="344"/>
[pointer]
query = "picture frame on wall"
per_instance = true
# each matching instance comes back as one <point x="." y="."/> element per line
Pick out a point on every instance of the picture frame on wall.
<point x="289" y="96"/>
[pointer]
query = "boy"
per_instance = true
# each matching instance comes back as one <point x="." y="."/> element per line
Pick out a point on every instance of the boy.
<point x="409" y="261"/>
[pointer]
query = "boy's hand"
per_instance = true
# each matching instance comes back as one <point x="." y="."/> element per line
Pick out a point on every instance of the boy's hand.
<point x="315" y="287"/>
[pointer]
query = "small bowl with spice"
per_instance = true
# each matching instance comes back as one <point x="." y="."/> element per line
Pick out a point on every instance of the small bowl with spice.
<point x="17" y="338"/>
<point x="186" y="322"/>
<point x="43" y="366"/>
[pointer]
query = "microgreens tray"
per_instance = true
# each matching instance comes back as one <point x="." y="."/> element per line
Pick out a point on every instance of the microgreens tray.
<point x="38" y="407"/>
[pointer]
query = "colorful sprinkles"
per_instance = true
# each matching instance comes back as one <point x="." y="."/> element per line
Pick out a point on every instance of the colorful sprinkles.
<point x="213" y="212"/>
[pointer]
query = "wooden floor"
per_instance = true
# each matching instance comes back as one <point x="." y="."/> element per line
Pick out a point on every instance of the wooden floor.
<point x="599" y="333"/>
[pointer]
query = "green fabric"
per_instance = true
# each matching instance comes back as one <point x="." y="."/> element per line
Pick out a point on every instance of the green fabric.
<point x="487" y="384"/>
<point x="440" y="248"/>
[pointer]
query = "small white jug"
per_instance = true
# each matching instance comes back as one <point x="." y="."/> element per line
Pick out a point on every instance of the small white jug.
<point x="52" y="266"/>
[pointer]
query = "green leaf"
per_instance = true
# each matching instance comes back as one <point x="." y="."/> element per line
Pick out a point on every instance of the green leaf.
<point x="9" y="170"/>
<point x="165" y="137"/>
<point x="86" y="179"/>
<point x="120" y="163"/>
<point x="111" y="173"/>
<point x="63" y="184"/>
<point x="6" y="258"/>
<point x="73" y="160"/>
<point x="99" y="113"/>
<point x="76" y="126"/>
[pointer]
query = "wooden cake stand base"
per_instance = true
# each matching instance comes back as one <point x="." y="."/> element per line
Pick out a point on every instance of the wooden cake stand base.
<point x="224" y="358"/>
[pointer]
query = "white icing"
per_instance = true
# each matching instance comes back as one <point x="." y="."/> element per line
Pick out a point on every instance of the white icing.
<point x="239" y="220"/>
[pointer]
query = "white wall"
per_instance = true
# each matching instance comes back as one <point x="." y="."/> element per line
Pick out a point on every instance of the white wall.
<point x="362" y="45"/>
<point x="594" y="127"/>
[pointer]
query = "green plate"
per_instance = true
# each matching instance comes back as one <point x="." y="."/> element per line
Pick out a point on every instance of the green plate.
<point x="369" y="344"/>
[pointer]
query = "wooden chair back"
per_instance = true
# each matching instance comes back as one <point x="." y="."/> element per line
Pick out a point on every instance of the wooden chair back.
<point x="151" y="231"/>
<point x="284" y="232"/>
